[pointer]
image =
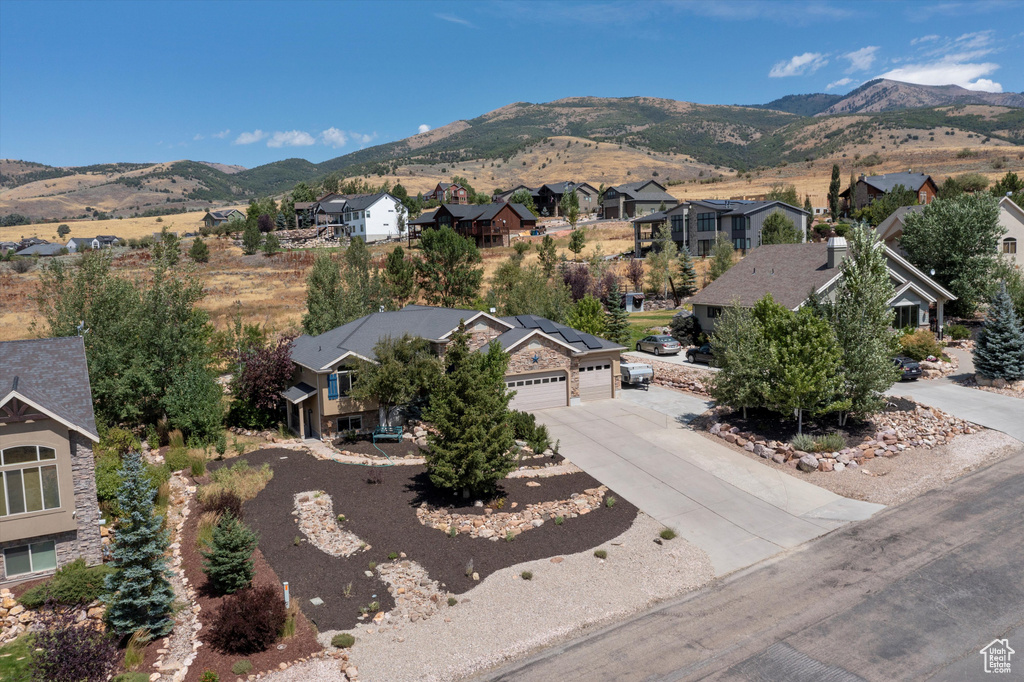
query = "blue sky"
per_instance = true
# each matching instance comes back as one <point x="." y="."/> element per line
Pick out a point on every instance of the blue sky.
<point x="249" y="83"/>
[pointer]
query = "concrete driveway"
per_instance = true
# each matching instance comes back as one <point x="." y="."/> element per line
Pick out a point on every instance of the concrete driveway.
<point x="991" y="410"/>
<point x="734" y="508"/>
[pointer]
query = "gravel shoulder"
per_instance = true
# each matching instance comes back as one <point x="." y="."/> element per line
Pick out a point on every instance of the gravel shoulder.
<point x="506" y="617"/>
<point x="894" y="480"/>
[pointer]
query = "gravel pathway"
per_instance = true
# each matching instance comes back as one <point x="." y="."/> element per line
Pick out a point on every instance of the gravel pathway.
<point x="506" y="617"/>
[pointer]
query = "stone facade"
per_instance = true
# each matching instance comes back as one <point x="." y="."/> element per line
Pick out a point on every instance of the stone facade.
<point x="550" y="356"/>
<point x="482" y="332"/>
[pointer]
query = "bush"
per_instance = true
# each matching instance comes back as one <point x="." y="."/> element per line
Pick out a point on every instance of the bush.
<point x="177" y="459"/>
<point x="64" y="651"/>
<point x="222" y="501"/>
<point x="143" y="677"/>
<point x="610" y="501"/>
<point x="685" y="328"/>
<point x="242" y="667"/>
<point x="72" y="584"/>
<point x="121" y="441"/>
<point x="559" y="520"/>
<point x="21" y="266"/>
<point x="343" y="641"/>
<point x="176" y="439"/>
<point x="600" y="554"/>
<point x="248" y="621"/>
<point x="197" y="466"/>
<point x="526" y="575"/>
<point x="208" y="676"/>
<point x="221" y="445"/>
<point x="452" y="601"/>
<point x="241" y="479"/>
<point x="958" y="332"/>
<point x="392" y="556"/>
<point x="803" y="442"/>
<point x="831" y="442"/>
<point x="919" y="345"/>
<point x="524" y="427"/>
<point x="228" y="565"/>
<point x="667" y="534"/>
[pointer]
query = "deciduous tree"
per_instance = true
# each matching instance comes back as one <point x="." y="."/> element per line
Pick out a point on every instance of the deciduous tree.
<point x="745" y="359"/>
<point x="721" y="257"/>
<point x="448" y="272"/>
<point x="323" y="296"/>
<point x="523" y="197"/>
<point x="779" y="229"/>
<point x="587" y="316"/>
<point x="570" y="206"/>
<point x="405" y="369"/>
<point x="546" y="255"/>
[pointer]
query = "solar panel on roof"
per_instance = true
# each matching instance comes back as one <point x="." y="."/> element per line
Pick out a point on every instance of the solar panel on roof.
<point x="570" y="335"/>
<point x="547" y="326"/>
<point x="590" y="341"/>
<point x="527" y="321"/>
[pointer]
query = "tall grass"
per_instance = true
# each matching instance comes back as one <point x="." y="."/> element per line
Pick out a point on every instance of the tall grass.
<point x="240" y="479"/>
<point x="204" y="532"/>
<point x="134" y="652"/>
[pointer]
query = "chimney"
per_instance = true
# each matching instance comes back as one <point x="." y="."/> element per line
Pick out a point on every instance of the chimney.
<point x="836" y="251"/>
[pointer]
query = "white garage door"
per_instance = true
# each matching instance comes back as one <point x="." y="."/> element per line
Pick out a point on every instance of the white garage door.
<point x="538" y="391"/>
<point x="596" y="380"/>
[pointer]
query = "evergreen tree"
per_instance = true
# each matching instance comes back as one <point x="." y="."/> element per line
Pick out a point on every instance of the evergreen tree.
<point x="471" y="450"/>
<point x="200" y="252"/>
<point x="721" y="257"/>
<point x="228" y="564"/>
<point x="546" y="255"/>
<point x="779" y="229"/>
<point x="400" y="276"/>
<point x="853" y="194"/>
<point x="448" y="272"/>
<point x="1008" y="184"/>
<point x="686" y="284"/>
<point x="139" y="595"/>
<point x="745" y="358"/>
<point x="616" y="321"/>
<point x="833" y="194"/>
<point x="999" y="352"/>
<point x="524" y="198"/>
<point x="587" y="316"/>
<point x="251" y="238"/>
<point x="570" y="206"/>
<point x="577" y="242"/>
<point x="809" y="207"/>
<point x="271" y="244"/>
<point x="323" y="294"/>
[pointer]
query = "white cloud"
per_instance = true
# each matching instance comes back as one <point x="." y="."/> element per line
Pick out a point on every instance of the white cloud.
<point x="332" y="137"/>
<point x="924" y="39"/>
<point x="361" y="138"/>
<point x="839" y="83"/>
<point x="948" y="72"/>
<point x="197" y="137"/>
<point x="423" y="128"/>
<point x="455" y="20"/>
<point x="222" y="134"/>
<point x="801" y="64"/>
<point x="862" y="59"/>
<point x="290" y="138"/>
<point x="249" y="138"/>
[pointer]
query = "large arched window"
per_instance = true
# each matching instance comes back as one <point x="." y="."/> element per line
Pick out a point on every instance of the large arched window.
<point x="1009" y="245"/>
<point x="28" y="480"/>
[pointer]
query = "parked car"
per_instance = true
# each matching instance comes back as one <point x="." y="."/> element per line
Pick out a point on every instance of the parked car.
<point x="659" y="345"/>
<point x="910" y="368"/>
<point x="701" y="354"/>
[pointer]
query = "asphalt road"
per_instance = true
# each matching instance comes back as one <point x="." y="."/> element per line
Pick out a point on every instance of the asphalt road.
<point x="911" y="594"/>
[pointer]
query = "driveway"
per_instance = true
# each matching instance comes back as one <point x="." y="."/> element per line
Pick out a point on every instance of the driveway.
<point x="680" y="359"/>
<point x="733" y="507"/>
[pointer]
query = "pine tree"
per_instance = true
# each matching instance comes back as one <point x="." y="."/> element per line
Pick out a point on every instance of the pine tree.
<point x="546" y="255"/>
<point x="471" y="450"/>
<point x="577" y="241"/>
<point x="199" y="252"/>
<point x="139" y="594"/>
<point x="251" y="238"/>
<point x="999" y="352"/>
<point x="323" y="291"/>
<point x="228" y="564"/>
<point x="616" y="321"/>
<point x="686" y="285"/>
<point x="809" y="207"/>
<point x="587" y="316"/>
<point x="271" y="244"/>
<point x="833" y="194"/>
<point x="400" y="276"/>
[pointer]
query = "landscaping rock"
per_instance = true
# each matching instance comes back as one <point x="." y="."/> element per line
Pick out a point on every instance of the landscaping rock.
<point x="318" y="522"/>
<point x="808" y="463"/>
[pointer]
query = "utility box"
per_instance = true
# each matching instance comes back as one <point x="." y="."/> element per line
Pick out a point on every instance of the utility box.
<point x="633" y="302"/>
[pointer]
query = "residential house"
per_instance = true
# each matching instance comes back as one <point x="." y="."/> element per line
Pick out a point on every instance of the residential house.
<point x="103" y="241"/>
<point x="550" y="365"/>
<point x="45" y="249"/>
<point x="791" y="272"/>
<point x="1011" y="219"/>
<point x="486" y="224"/>
<point x="645" y="228"/>
<point x="448" y="193"/>
<point x="548" y="198"/>
<point x="634" y="199"/>
<point x="215" y="218"/>
<point x="302" y="212"/>
<point x="49" y="515"/>
<point x="8" y="246"/>
<point x="871" y="187"/>
<point x="504" y="197"/>
<point x="372" y="217"/>
<point x="30" y="241"/>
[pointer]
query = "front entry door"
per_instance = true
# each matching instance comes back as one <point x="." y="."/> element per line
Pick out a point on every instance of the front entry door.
<point x="309" y="423"/>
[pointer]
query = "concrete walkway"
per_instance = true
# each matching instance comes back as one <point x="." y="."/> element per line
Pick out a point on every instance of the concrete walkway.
<point x="734" y="508"/>
<point x="991" y="410"/>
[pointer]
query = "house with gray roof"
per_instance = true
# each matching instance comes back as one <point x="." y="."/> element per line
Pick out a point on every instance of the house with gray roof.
<point x="486" y="224"/>
<point x="215" y="218"/>
<point x="635" y="199"/>
<point x="103" y="241"/>
<point x="871" y="187"/>
<point x="45" y="250"/>
<point x="792" y="272"/>
<point x="551" y="365"/>
<point x="448" y="193"/>
<point x="49" y="515"/>
<point x="371" y="217"/>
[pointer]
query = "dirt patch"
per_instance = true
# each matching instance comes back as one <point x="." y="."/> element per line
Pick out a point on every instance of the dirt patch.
<point x="383" y="514"/>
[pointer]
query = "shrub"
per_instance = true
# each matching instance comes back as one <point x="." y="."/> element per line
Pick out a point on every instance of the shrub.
<point x="802" y="442"/>
<point x="525" y="427"/>
<point x="919" y="345"/>
<point x="392" y="556"/>
<point x="72" y="584"/>
<point x="221" y="501"/>
<point x="958" y="332"/>
<point x="177" y="459"/>
<point x="21" y="266"/>
<point x="559" y="520"/>
<point x="121" y="441"/>
<point x="208" y="676"/>
<point x="134" y="651"/>
<point x="667" y="534"/>
<point x="248" y="621"/>
<point x="600" y="554"/>
<point x="830" y="442"/>
<point x="610" y="501"/>
<point x="242" y="667"/>
<point x="228" y="564"/>
<point x="526" y="575"/>
<point x="291" y="619"/>
<point x="221" y="444"/>
<point x="452" y="601"/>
<point x="510" y="536"/>
<point x="143" y="677"/>
<point x="241" y="479"/>
<point x="197" y="466"/>
<point x="65" y="651"/>
<point x="176" y="439"/>
<point x="372" y="565"/>
<point x="343" y="640"/>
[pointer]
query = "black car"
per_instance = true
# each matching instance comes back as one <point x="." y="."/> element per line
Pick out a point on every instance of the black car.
<point x="911" y="370"/>
<point x="702" y="354"/>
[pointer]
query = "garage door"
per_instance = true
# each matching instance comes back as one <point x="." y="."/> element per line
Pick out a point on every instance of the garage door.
<point x="537" y="391"/>
<point x="596" y="380"/>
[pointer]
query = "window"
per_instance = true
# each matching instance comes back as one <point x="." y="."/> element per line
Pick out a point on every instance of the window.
<point x="367" y="214"/>
<point x="339" y="384"/>
<point x="704" y="247"/>
<point x="39" y="556"/>
<point x="1009" y="245"/>
<point x="922" y="198"/>
<point x="28" y="489"/>
<point x="678" y="223"/>
<point x="713" y="312"/>
<point x="740" y="222"/>
<point x="907" y="316"/>
<point x="706" y="222"/>
<point x="350" y="423"/>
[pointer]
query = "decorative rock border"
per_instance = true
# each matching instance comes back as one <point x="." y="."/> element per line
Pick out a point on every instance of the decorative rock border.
<point x="936" y="369"/>
<point x="677" y="377"/>
<point x="894" y="432"/>
<point x="416" y="596"/>
<point x="15" y="619"/>
<point x="317" y="521"/>
<point x="496" y="525"/>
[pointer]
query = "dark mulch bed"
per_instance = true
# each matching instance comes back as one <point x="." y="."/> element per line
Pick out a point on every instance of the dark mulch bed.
<point x="394" y="450"/>
<point x="384" y="515"/>
<point x="302" y="645"/>
<point x="770" y="426"/>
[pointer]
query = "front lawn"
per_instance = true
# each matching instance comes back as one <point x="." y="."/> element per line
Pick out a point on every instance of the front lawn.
<point x="641" y="324"/>
<point x="15" y="658"/>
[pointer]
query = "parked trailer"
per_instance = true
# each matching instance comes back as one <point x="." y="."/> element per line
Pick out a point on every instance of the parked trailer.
<point x="637" y="374"/>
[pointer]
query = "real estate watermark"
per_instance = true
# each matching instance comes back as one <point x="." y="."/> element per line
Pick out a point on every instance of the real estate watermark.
<point x="997" y="655"/>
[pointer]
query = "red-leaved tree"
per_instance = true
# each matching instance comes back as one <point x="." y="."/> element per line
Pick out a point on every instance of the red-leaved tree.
<point x="263" y="373"/>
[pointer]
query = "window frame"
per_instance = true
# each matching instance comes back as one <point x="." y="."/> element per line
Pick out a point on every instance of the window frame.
<point x="912" y="312"/>
<point x="44" y="468"/>
<point x="706" y="219"/>
<point x="1010" y="245"/>
<point x="353" y="422"/>
<point x="31" y="564"/>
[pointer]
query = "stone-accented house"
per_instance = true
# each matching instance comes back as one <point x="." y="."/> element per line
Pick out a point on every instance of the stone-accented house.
<point x="550" y="364"/>
<point x="486" y="224"/>
<point x="635" y="199"/>
<point x="215" y="218"/>
<point x="791" y="272"/>
<point x="103" y="241"/>
<point x="49" y="515"/>
<point x="448" y="193"/>
<point x="871" y="187"/>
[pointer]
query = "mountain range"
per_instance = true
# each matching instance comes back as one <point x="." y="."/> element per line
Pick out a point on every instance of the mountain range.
<point x="707" y="137"/>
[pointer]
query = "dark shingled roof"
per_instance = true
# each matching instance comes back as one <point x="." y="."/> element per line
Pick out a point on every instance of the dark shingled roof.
<point x="789" y="272"/>
<point x="53" y="374"/>
<point x="42" y="250"/>
<point x="887" y="182"/>
<point x="524" y="325"/>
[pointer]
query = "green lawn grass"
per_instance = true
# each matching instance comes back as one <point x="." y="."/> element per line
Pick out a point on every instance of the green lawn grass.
<point x="14" y="660"/>
<point x="640" y="324"/>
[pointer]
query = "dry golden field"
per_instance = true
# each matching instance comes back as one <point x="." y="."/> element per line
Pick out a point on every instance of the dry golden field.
<point x="126" y="228"/>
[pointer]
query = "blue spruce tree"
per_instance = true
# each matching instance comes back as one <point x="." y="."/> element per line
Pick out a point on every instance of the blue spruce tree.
<point x="999" y="353"/>
<point x="140" y="596"/>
